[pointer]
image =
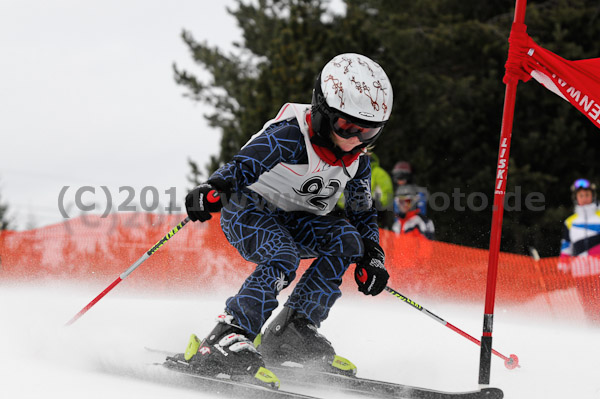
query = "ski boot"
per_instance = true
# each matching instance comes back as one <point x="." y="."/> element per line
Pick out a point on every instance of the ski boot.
<point x="227" y="353"/>
<point x="292" y="340"/>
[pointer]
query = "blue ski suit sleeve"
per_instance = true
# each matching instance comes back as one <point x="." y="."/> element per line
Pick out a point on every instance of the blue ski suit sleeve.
<point x="359" y="203"/>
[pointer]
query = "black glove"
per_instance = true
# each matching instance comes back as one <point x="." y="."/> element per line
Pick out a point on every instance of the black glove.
<point x="201" y="201"/>
<point x="370" y="273"/>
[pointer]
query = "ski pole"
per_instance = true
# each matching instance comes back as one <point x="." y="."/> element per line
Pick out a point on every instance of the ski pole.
<point x="127" y="272"/>
<point x="509" y="362"/>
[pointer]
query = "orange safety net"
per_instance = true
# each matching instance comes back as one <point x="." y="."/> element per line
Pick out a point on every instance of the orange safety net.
<point x="199" y="258"/>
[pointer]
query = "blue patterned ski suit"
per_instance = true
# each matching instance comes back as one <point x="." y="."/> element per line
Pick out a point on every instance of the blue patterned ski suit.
<point x="276" y="240"/>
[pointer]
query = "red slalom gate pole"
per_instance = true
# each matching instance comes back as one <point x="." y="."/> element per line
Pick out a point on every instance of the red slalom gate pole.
<point x="510" y="95"/>
<point x="510" y="362"/>
<point x="131" y="268"/>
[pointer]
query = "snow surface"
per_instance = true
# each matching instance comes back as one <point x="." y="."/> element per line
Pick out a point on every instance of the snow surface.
<point x="102" y="355"/>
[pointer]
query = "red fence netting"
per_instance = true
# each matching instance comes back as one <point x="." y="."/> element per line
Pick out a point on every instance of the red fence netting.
<point x="199" y="258"/>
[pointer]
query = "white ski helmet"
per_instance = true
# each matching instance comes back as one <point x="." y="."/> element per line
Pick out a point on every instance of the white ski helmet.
<point x="352" y="97"/>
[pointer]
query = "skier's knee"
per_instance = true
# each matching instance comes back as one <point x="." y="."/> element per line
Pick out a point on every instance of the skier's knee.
<point x="286" y="261"/>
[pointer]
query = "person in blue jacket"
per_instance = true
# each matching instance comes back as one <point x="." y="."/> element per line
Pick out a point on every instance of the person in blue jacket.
<point x="275" y="196"/>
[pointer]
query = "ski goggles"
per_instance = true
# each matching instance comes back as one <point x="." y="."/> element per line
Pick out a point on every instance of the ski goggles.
<point x="404" y="201"/>
<point x="582" y="184"/>
<point x="401" y="175"/>
<point x="347" y="129"/>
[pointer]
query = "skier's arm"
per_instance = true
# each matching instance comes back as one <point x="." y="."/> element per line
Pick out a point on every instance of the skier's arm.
<point x="359" y="204"/>
<point x="565" y="243"/>
<point x="281" y="142"/>
<point x="429" y="230"/>
<point x="370" y="273"/>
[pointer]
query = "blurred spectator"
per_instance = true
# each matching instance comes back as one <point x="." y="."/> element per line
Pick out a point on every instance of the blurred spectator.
<point x="580" y="247"/>
<point x="409" y="218"/>
<point x="402" y="173"/>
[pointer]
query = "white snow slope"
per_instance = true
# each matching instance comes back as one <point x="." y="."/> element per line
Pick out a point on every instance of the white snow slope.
<point x="102" y="355"/>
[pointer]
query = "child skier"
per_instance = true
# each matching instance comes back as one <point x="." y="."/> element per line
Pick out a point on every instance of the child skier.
<point x="274" y="198"/>
<point x="409" y="218"/>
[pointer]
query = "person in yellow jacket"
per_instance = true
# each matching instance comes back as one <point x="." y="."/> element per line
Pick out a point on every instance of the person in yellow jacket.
<point x="382" y="191"/>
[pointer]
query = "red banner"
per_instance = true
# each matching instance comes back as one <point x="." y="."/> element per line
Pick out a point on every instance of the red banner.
<point x="577" y="82"/>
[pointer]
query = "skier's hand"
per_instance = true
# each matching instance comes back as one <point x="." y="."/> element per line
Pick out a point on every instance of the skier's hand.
<point x="370" y="273"/>
<point x="201" y="201"/>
